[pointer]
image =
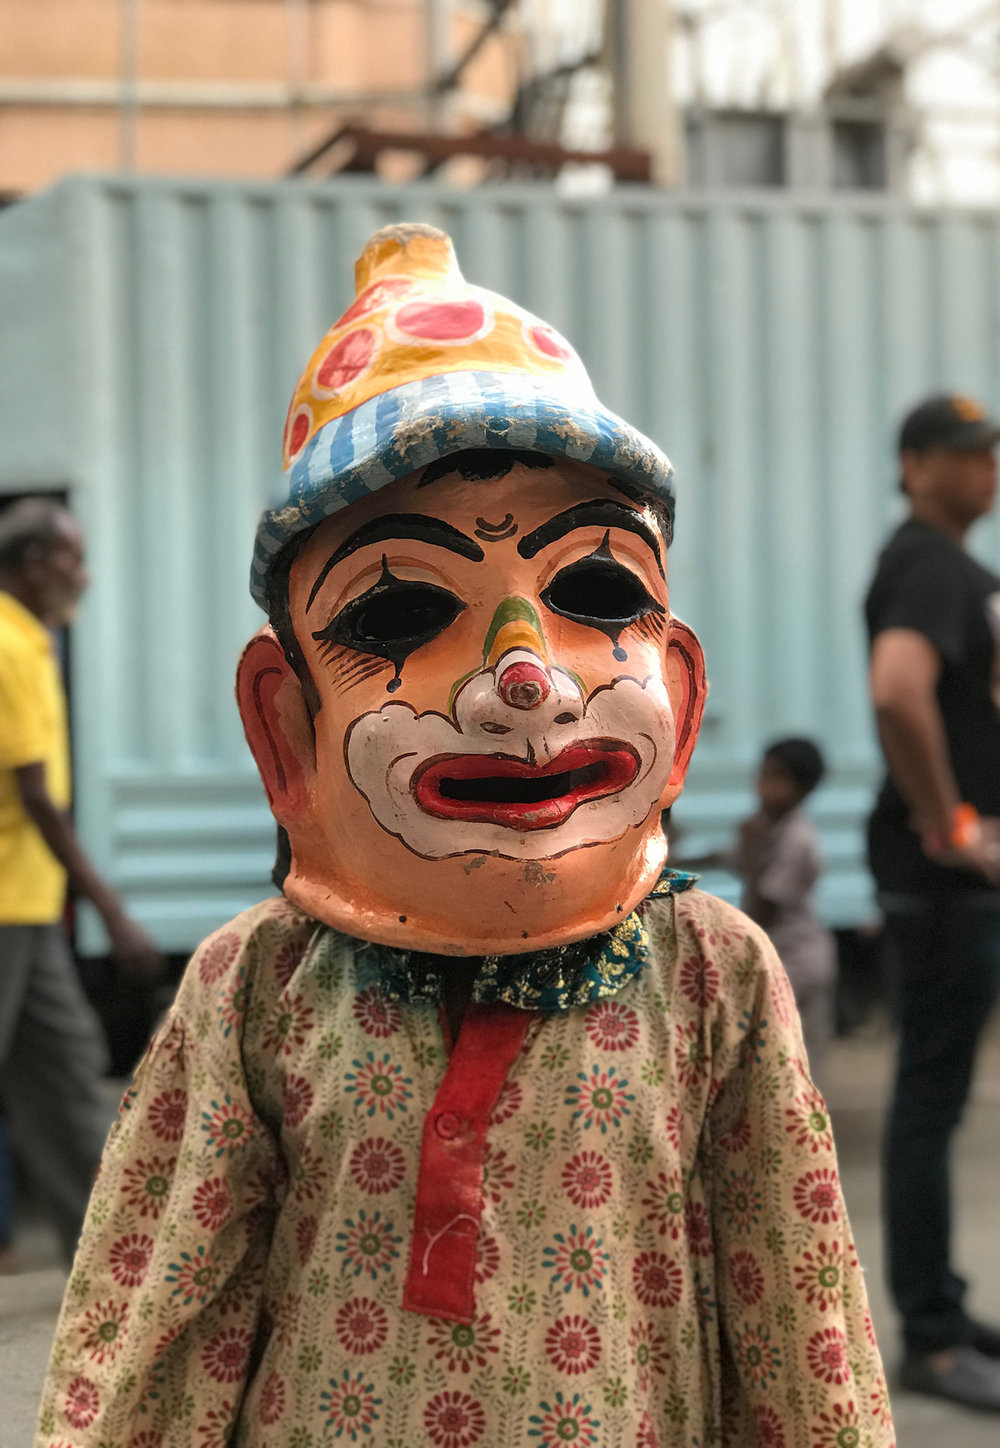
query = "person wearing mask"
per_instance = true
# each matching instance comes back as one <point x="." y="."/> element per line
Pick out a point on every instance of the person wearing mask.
<point x="933" y="618"/>
<point x="459" y="1140"/>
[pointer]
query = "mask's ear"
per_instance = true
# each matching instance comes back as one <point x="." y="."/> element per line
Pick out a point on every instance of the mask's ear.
<point x="687" y="687"/>
<point x="277" y="725"/>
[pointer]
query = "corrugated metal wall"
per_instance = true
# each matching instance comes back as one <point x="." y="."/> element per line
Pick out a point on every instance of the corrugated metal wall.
<point x="150" y="336"/>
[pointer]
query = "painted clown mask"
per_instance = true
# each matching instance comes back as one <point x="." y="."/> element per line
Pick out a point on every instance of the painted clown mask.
<point x="480" y="707"/>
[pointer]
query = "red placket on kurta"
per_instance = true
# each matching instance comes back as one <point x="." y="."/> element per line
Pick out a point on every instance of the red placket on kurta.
<point x="440" y="1277"/>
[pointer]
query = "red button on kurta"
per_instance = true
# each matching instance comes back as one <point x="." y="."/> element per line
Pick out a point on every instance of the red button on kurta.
<point x="448" y="1125"/>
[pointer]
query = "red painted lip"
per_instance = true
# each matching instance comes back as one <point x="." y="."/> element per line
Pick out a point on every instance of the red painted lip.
<point x="499" y="790"/>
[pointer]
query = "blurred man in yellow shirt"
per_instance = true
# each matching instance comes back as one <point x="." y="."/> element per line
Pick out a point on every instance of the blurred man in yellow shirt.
<point x="51" y="1048"/>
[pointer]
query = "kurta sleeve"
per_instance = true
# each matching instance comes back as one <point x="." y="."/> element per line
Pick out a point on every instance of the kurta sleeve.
<point x="800" y="1364"/>
<point x="163" y="1305"/>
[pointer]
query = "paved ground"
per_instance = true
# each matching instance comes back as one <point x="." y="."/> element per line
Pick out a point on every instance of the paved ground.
<point x="28" y="1307"/>
<point x="857" y="1079"/>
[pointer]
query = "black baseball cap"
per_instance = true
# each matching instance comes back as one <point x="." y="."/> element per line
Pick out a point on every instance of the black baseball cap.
<point x="951" y="421"/>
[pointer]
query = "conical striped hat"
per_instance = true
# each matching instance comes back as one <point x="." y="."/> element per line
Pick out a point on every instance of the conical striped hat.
<point x="422" y="364"/>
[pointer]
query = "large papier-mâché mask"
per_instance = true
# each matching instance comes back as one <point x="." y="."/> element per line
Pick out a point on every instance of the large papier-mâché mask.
<point x="494" y="707"/>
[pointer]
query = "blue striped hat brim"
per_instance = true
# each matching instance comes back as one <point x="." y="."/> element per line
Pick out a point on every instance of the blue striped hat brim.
<point x="410" y="426"/>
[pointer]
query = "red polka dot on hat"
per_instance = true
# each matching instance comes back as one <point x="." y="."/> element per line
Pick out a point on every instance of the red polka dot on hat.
<point x="299" y="430"/>
<point x="549" y="343"/>
<point x="347" y="359"/>
<point x="442" y="321"/>
<point x="378" y="295"/>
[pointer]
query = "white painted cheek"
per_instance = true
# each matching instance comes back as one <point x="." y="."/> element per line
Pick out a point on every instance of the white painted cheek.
<point x="384" y="749"/>
<point x="642" y="717"/>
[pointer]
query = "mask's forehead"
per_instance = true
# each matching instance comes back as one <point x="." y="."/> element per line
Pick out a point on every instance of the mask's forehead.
<point x="528" y="507"/>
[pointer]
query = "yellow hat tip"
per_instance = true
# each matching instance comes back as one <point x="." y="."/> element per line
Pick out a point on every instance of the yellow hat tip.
<point x="409" y="247"/>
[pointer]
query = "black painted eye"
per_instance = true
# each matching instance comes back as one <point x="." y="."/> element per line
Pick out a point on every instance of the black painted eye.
<point x="392" y="619"/>
<point x="599" y="591"/>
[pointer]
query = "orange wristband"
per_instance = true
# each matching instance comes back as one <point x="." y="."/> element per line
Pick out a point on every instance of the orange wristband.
<point x="964" y="828"/>
<point x="963" y="831"/>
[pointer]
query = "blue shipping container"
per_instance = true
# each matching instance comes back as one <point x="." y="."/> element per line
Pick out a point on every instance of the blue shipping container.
<point x="151" y="332"/>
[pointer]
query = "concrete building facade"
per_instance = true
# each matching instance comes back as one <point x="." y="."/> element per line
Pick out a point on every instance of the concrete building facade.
<point x="239" y="88"/>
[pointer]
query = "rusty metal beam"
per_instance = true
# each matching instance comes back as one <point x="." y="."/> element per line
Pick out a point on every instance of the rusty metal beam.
<point x="625" y="163"/>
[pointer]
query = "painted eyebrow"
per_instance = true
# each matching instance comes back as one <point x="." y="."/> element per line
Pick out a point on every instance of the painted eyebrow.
<point x="605" y="513"/>
<point x="400" y="525"/>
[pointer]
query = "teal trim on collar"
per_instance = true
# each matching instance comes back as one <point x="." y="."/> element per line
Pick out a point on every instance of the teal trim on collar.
<point x="556" y="979"/>
<point x="672" y="882"/>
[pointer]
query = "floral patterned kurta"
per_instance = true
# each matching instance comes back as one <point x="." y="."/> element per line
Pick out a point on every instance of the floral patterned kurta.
<point x="611" y="1225"/>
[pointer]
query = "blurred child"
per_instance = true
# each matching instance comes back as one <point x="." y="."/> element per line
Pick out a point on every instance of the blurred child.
<point x="776" y="855"/>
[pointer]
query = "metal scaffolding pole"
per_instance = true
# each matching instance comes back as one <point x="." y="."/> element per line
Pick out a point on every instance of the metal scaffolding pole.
<point x="638" y="35"/>
<point x="128" y="109"/>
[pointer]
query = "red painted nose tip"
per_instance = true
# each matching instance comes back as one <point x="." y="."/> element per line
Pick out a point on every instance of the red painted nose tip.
<point x="523" y="686"/>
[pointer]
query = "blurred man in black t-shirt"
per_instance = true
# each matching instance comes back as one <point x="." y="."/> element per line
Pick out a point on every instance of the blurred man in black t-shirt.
<point x="933" y="615"/>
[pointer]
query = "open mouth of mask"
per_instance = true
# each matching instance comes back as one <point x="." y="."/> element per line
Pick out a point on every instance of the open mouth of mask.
<point x="519" y="793"/>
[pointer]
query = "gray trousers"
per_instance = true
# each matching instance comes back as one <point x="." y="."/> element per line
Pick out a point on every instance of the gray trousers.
<point x="52" y="1060"/>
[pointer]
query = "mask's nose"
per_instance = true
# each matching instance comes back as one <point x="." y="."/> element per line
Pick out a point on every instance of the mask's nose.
<point x="516" y="629"/>
<point x="523" y="685"/>
<point x="518" y="691"/>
